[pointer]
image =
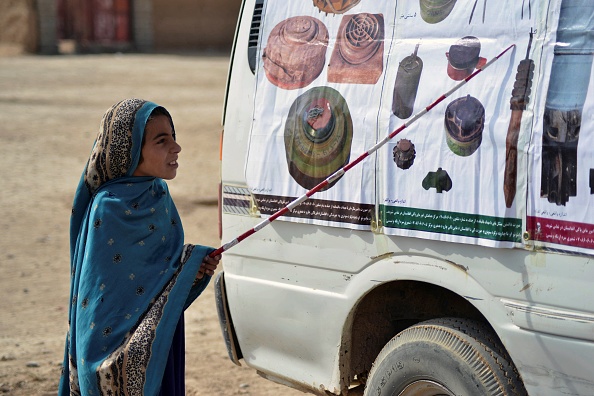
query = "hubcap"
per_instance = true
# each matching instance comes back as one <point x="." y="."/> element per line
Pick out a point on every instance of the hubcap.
<point x="425" y="388"/>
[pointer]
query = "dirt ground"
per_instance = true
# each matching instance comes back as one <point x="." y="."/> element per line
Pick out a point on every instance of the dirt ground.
<point x="50" y="109"/>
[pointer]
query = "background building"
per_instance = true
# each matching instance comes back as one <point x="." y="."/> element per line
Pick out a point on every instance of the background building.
<point x="52" y="26"/>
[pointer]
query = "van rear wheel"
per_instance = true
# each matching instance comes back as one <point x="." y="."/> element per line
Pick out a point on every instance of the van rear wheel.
<point x="447" y="356"/>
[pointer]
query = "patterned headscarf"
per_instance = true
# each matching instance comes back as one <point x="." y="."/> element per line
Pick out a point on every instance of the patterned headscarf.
<point x="131" y="274"/>
<point x="114" y="154"/>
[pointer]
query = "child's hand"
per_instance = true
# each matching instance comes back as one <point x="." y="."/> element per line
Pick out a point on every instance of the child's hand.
<point x="208" y="266"/>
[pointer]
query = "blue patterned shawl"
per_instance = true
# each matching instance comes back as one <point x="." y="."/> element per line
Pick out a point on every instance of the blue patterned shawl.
<point x="131" y="274"/>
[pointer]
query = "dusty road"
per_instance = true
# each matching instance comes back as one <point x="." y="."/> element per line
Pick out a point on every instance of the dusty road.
<point x="50" y="109"/>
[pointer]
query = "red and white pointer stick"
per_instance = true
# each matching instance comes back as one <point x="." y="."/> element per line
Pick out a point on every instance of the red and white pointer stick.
<point x="336" y="175"/>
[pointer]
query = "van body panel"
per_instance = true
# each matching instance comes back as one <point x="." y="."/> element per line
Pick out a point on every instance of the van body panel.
<point x="294" y="312"/>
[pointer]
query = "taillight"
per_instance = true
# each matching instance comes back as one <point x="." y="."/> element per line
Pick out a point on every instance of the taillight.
<point x="221" y="187"/>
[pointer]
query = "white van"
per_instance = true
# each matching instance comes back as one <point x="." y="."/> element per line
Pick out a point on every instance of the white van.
<point x="456" y="259"/>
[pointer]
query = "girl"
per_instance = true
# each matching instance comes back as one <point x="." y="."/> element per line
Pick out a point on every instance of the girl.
<point x="131" y="274"/>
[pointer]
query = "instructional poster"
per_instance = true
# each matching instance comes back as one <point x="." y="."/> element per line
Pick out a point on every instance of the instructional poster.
<point x="561" y="188"/>
<point x="501" y="162"/>
<point x="320" y="77"/>
<point x="454" y="187"/>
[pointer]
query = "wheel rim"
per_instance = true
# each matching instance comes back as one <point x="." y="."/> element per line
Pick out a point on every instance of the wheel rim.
<point x="425" y="388"/>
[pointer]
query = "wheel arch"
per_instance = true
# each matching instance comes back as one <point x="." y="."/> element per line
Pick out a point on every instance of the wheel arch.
<point x="392" y="305"/>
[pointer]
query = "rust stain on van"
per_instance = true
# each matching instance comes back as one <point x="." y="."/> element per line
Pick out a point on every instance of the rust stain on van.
<point x="459" y="266"/>
<point x="526" y="287"/>
<point x="382" y="256"/>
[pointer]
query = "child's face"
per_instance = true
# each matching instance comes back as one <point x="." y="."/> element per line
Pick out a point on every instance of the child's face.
<point x="160" y="150"/>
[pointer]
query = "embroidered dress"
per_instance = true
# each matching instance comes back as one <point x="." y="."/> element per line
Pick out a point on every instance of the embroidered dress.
<point x="131" y="275"/>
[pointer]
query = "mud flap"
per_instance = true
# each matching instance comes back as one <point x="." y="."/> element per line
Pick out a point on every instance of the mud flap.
<point x="225" y="320"/>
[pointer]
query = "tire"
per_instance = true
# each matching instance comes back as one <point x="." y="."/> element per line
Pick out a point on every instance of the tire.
<point x="447" y="356"/>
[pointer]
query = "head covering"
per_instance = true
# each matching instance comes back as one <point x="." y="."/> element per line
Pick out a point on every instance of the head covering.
<point x="131" y="274"/>
<point x="115" y="154"/>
